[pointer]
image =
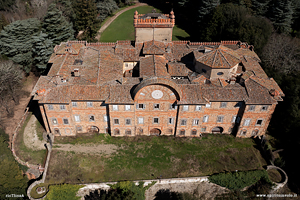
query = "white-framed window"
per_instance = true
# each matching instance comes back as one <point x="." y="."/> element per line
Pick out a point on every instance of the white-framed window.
<point x="205" y="118"/>
<point x="91" y="118"/>
<point x="220" y="119"/>
<point x="223" y="105"/>
<point x="50" y="107"/>
<point x="173" y="106"/>
<point x="54" y="121"/>
<point x="264" y="108"/>
<point x="66" y="121"/>
<point x="251" y="108"/>
<point x="203" y="129"/>
<point x="198" y="108"/>
<point x="195" y="122"/>
<point x="233" y="119"/>
<point x="183" y="122"/>
<point x="78" y="128"/>
<point x="208" y="105"/>
<point x="185" y="108"/>
<point x="259" y="122"/>
<point x="89" y="104"/>
<point x="62" y="107"/>
<point x="255" y="132"/>
<point x="140" y="120"/>
<point x="156" y="106"/>
<point x="116" y="121"/>
<point x="127" y="121"/>
<point x="170" y="120"/>
<point x="247" y="122"/>
<point x="115" y="107"/>
<point x="127" y="132"/>
<point x="155" y="120"/>
<point x="74" y="104"/>
<point x="140" y="106"/>
<point x="127" y="107"/>
<point x="77" y="118"/>
<point x="105" y="118"/>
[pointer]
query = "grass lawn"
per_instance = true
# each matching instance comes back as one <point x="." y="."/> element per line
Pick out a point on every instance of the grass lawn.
<point x="149" y="157"/>
<point x="27" y="154"/>
<point x="122" y="27"/>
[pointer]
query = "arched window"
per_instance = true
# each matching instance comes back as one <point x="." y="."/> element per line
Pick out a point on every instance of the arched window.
<point x="170" y="131"/>
<point x="116" y="131"/>
<point x="194" y="132"/>
<point x="56" y="131"/>
<point x="128" y="132"/>
<point x="78" y="128"/>
<point x="254" y="132"/>
<point x="68" y="131"/>
<point x="182" y="132"/>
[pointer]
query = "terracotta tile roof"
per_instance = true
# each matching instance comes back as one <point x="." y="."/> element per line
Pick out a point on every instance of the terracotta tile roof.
<point x="269" y="83"/>
<point x="178" y="69"/>
<point x="180" y="50"/>
<point x="111" y="67"/>
<point x="228" y="93"/>
<point x="221" y="57"/>
<point x="154" y="47"/>
<point x="257" y="94"/>
<point x="120" y="94"/>
<point x="248" y="53"/>
<point x="191" y="94"/>
<point x="153" y="66"/>
<point x="251" y="64"/>
<point x="66" y="94"/>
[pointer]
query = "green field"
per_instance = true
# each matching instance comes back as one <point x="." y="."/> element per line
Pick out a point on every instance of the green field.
<point x="122" y="27"/>
<point x="149" y="157"/>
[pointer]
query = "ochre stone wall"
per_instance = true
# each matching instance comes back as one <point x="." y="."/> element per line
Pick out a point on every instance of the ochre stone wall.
<point x="158" y="34"/>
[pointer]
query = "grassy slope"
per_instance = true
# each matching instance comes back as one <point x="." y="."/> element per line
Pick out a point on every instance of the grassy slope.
<point x="122" y="27"/>
<point x="150" y="157"/>
<point x="26" y="154"/>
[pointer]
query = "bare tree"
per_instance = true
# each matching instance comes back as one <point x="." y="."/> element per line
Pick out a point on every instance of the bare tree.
<point x="282" y="53"/>
<point x="10" y="85"/>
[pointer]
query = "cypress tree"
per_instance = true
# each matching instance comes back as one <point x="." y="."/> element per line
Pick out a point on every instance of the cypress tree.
<point x="106" y="8"/>
<point x="86" y="18"/>
<point x="56" y="26"/>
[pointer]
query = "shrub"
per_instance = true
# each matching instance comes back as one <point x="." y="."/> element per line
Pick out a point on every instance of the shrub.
<point x="239" y="180"/>
<point x="63" y="192"/>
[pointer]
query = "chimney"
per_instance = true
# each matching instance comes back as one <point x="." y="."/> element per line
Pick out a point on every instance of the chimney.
<point x="232" y="81"/>
<point x="76" y="72"/>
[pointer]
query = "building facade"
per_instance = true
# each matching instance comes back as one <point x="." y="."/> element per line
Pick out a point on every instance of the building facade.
<point x="156" y="86"/>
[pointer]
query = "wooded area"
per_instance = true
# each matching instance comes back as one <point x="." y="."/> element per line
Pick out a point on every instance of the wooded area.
<point x="272" y="26"/>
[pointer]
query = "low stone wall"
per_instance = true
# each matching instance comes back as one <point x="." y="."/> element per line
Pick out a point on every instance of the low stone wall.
<point x="173" y="184"/>
<point x="278" y="185"/>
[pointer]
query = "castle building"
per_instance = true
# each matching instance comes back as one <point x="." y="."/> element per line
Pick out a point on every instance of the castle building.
<point x="156" y="86"/>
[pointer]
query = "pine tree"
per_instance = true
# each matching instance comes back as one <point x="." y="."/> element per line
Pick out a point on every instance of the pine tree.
<point x="16" y="41"/>
<point x="106" y="8"/>
<point x="86" y="18"/>
<point x="206" y="7"/>
<point x="281" y="15"/>
<point x="42" y="50"/>
<point x="260" y="7"/>
<point x="56" y="26"/>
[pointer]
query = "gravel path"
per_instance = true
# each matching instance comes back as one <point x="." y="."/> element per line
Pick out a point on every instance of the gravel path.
<point x="109" y="21"/>
<point x="30" y="137"/>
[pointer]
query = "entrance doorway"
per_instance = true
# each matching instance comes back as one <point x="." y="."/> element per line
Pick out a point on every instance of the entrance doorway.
<point x="93" y="129"/>
<point x="217" y="129"/>
<point x="155" y="131"/>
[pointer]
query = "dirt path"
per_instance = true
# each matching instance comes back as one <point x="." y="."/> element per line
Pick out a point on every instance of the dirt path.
<point x="88" y="148"/>
<point x="109" y="21"/>
<point x="30" y="137"/>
